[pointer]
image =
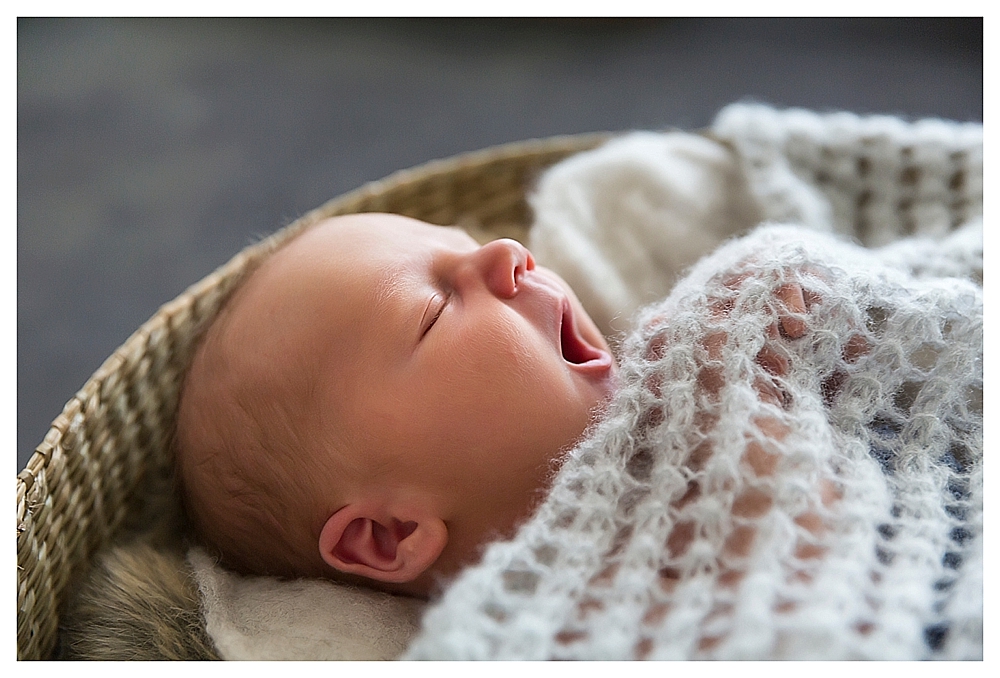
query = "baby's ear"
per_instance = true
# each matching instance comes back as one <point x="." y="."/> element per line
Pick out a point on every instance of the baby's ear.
<point x="368" y="541"/>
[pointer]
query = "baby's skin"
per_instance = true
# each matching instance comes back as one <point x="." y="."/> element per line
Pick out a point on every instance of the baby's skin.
<point x="381" y="398"/>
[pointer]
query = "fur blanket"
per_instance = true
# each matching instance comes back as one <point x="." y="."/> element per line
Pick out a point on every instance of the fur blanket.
<point x="139" y="602"/>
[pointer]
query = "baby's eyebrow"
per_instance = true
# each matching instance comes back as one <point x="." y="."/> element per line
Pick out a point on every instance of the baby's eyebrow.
<point x="390" y="282"/>
<point x="398" y="318"/>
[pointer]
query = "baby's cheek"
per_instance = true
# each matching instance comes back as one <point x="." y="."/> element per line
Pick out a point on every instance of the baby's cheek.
<point x="509" y="393"/>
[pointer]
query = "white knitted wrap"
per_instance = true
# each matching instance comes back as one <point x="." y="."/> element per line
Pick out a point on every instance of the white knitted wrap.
<point x="874" y="178"/>
<point x="752" y="495"/>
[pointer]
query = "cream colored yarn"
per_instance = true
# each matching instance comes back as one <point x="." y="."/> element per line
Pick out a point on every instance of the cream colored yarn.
<point x="623" y="222"/>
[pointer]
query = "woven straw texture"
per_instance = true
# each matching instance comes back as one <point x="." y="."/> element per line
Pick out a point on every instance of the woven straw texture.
<point x="85" y="479"/>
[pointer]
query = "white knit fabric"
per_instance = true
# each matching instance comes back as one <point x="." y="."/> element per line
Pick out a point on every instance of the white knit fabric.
<point x="874" y="178"/>
<point x="753" y="495"/>
<point x="838" y="515"/>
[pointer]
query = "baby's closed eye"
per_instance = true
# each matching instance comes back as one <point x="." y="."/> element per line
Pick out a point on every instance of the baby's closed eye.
<point x="435" y="307"/>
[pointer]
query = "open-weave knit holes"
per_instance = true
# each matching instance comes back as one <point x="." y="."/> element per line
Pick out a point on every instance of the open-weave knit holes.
<point x="881" y="177"/>
<point x="756" y="488"/>
<point x="931" y="400"/>
<point x="693" y="548"/>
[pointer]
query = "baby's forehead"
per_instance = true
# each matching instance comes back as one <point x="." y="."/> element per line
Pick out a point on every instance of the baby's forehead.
<point x="370" y="256"/>
<point x="336" y="281"/>
<point x="362" y="229"/>
<point x="339" y="286"/>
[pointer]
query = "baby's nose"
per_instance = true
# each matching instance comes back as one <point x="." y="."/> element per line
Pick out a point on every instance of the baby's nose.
<point x="502" y="263"/>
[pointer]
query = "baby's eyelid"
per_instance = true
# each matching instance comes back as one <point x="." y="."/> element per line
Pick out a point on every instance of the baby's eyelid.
<point x="435" y="306"/>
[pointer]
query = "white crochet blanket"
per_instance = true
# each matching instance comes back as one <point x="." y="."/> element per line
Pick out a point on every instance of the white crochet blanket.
<point x="771" y="483"/>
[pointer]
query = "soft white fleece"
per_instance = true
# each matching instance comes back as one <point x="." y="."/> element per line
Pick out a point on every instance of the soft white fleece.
<point x="259" y="618"/>
<point x="622" y="222"/>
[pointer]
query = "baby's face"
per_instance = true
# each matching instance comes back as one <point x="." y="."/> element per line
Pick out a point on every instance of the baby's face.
<point x="446" y="368"/>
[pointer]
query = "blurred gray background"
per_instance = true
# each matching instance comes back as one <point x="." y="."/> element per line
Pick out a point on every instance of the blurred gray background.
<point x="152" y="150"/>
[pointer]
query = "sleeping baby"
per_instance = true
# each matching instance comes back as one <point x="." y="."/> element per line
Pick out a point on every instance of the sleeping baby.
<point x="382" y="397"/>
<point x="781" y="459"/>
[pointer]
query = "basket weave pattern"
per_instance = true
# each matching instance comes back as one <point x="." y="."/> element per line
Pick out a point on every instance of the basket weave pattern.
<point x="81" y="483"/>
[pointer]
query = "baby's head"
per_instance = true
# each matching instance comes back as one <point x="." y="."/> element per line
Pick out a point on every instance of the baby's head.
<point x="381" y="397"/>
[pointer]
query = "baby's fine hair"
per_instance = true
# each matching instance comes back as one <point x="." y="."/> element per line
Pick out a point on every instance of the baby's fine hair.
<point x="237" y="450"/>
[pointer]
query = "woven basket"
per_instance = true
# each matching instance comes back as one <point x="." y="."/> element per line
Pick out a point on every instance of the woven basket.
<point x="85" y="479"/>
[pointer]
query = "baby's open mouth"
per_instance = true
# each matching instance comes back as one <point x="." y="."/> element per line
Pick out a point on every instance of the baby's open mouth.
<point x="574" y="348"/>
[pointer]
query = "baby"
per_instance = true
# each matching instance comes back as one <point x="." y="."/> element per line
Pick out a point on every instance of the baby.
<point x="784" y="462"/>
<point x="381" y="398"/>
